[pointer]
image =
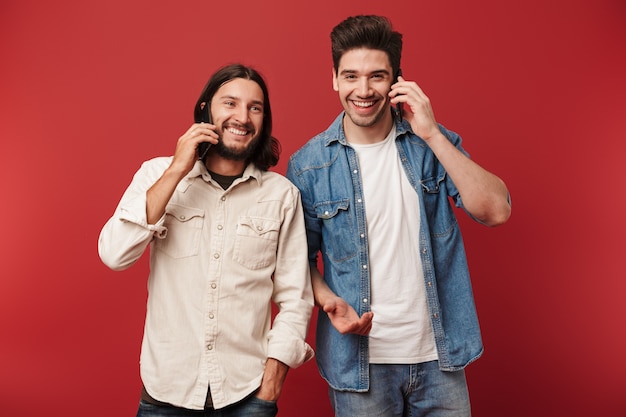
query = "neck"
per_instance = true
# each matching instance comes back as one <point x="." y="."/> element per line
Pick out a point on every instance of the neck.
<point x="229" y="167"/>
<point x="377" y="132"/>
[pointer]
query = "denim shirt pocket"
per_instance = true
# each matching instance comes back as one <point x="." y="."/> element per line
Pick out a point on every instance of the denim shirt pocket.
<point x="256" y="241"/>
<point x="184" y="227"/>
<point x="441" y="219"/>
<point x="338" y="230"/>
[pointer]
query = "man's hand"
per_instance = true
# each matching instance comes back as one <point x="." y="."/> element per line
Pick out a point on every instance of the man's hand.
<point x="420" y="113"/>
<point x="184" y="159"/>
<point x="341" y="314"/>
<point x="273" y="379"/>
<point x="185" y="155"/>
<point x="345" y="319"/>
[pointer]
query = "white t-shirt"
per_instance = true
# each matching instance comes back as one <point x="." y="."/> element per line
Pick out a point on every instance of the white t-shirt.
<point x="401" y="330"/>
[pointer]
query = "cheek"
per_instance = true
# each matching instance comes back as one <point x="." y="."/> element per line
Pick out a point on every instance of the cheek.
<point x="258" y="124"/>
<point x="343" y="93"/>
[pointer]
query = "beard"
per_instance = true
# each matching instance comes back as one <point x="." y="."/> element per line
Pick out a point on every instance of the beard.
<point x="235" y="154"/>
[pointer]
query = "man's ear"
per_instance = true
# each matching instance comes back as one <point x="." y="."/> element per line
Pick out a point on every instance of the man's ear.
<point x="335" y="86"/>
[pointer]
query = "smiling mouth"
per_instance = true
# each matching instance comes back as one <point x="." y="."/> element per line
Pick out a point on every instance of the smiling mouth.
<point x="237" y="131"/>
<point x="363" y="104"/>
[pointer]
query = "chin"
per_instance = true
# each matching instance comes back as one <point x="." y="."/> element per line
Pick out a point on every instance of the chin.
<point x="237" y="153"/>
<point x="364" y="121"/>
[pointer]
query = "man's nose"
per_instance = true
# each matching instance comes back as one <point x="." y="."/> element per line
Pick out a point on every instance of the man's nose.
<point x="242" y="114"/>
<point x="363" y="89"/>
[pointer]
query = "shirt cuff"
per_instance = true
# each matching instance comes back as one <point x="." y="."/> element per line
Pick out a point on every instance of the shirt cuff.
<point x="135" y="212"/>
<point x="292" y="353"/>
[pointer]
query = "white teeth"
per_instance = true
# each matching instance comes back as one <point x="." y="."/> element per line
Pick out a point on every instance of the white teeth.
<point x="237" y="131"/>
<point x="363" y="104"/>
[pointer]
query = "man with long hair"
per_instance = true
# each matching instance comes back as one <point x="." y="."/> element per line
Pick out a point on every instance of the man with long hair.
<point x="227" y="238"/>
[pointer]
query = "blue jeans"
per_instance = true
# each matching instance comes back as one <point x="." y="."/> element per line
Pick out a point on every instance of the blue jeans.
<point x="249" y="407"/>
<point x="406" y="391"/>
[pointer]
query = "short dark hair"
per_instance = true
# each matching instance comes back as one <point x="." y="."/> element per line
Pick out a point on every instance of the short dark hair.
<point x="268" y="149"/>
<point x="366" y="31"/>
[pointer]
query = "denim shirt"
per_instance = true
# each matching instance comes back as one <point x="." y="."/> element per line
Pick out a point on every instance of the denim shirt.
<point x="326" y="171"/>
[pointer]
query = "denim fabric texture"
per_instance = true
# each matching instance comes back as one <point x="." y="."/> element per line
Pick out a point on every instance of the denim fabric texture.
<point x="326" y="171"/>
<point x="406" y="391"/>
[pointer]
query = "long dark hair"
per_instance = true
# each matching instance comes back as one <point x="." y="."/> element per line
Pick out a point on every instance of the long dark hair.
<point x="268" y="150"/>
<point x="366" y="31"/>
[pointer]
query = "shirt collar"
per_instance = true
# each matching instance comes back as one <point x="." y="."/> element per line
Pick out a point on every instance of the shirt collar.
<point x="200" y="170"/>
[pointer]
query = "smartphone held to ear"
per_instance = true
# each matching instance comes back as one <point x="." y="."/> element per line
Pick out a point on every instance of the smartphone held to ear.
<point x="205" y="117"/>
<point x="399" y="106"/>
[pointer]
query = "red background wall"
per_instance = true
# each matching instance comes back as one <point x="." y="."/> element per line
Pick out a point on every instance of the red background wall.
<point x="536" y="88"/>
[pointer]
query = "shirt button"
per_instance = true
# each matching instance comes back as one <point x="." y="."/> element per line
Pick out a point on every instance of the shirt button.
<point x="326" y="213"/>
<point x="364" y="266"/>
<point x="355" y="171"/>
<point x="223" y="198"/>
<point x="365" y="300"/>
<point x="359" y="200"/>
<point x="362" y="235"/>
<point x="182" y="217"/>
<point x="213" y="285"/>
<point x="220" y="227"/>
<point x="209" y="347"/>
<point x="436" y="315"/>
<point x="259" y="228"/>
<point x="216" y="255"/>
<point x="211" y="316"/>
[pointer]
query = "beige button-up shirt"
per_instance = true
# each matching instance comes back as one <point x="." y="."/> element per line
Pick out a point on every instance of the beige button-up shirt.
<point x="217" y="258"/>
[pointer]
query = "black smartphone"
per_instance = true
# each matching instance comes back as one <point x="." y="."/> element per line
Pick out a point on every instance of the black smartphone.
<point x="399" y="106"/>
<point x="205" y="117"/>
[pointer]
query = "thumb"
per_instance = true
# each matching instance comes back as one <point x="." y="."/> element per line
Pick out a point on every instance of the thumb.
<point x="330" y="307"/>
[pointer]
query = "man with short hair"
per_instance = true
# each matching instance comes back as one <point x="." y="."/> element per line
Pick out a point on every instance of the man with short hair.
<point x="398" y="323"/>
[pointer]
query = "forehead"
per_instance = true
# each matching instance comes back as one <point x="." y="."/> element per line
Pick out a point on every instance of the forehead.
<point x="240" y="89"/>
<point x="364" y="60"/>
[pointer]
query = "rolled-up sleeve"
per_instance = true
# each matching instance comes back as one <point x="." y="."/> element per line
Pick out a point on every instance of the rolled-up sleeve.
<point x="125" y="236"/>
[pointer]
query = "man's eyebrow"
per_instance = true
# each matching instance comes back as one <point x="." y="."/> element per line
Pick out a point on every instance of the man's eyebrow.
<point x="348" y="72"/>
<point x="235" y="98"/>
<point x="228" y="96"/>
<point x="351" y="71"/>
